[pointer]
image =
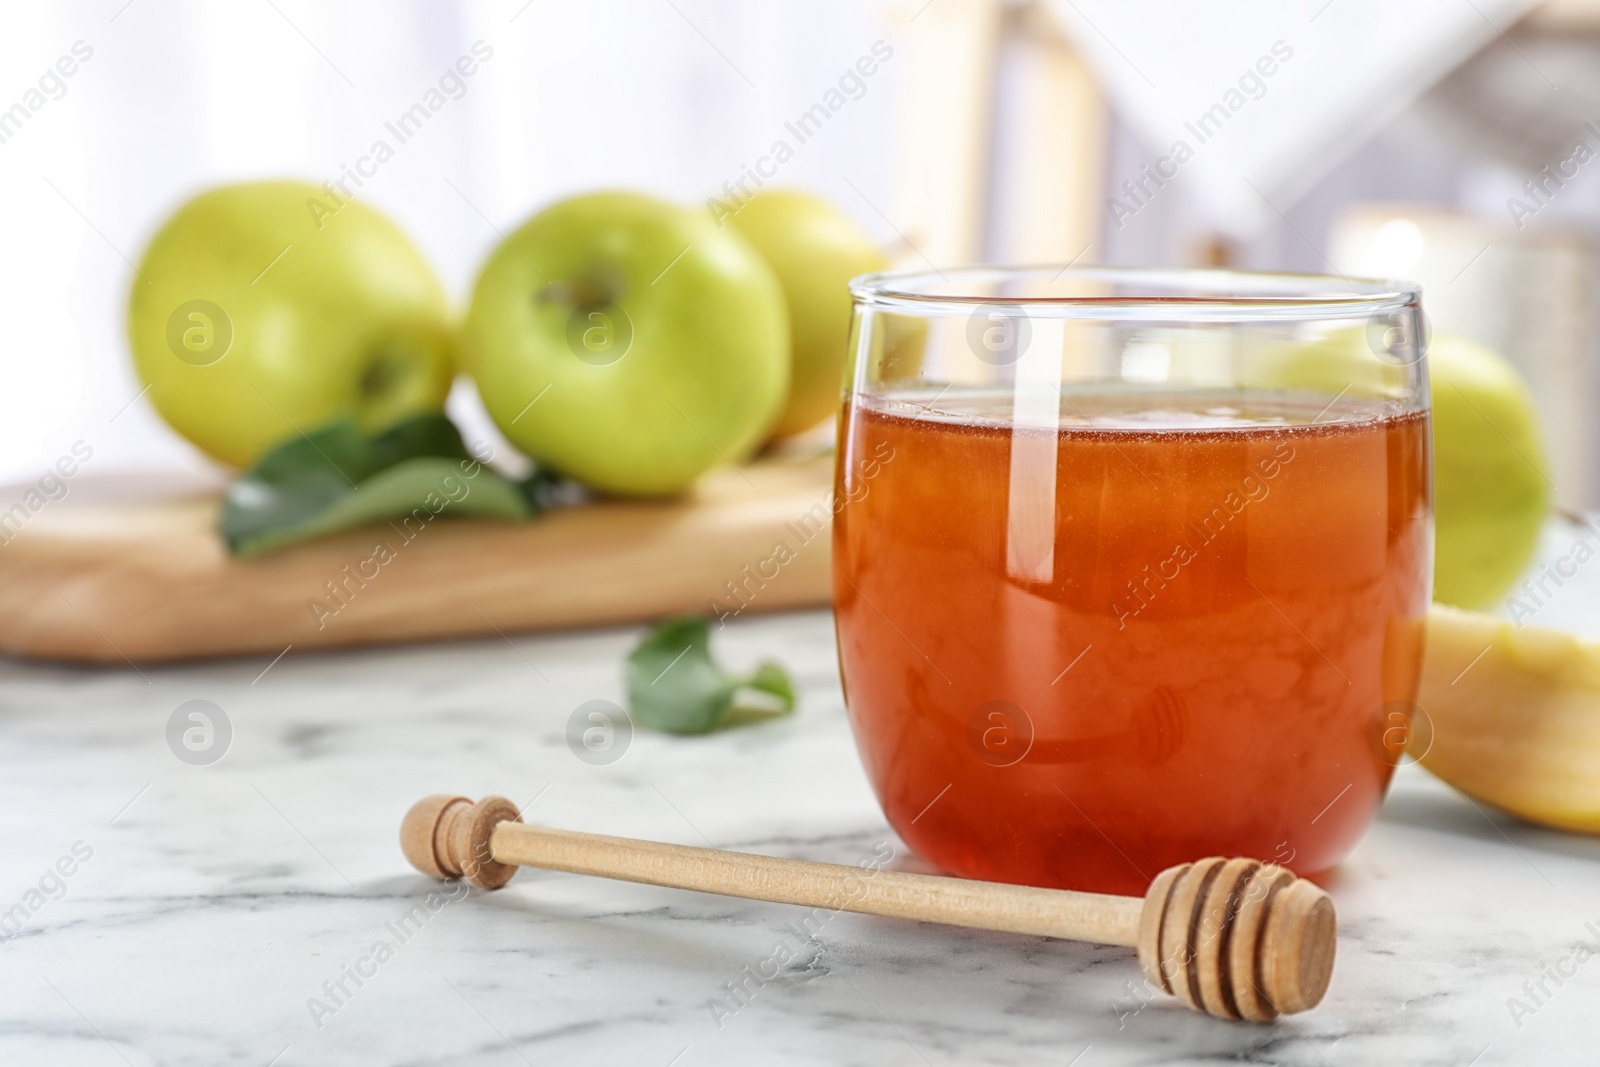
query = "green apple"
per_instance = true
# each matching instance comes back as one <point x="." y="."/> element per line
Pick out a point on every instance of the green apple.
<point x="815" y="250"/>
<point x="1490" y="475"/>
<point x="1490" y="487"/>
<point x="264" y="309"/>
<point x="628" y="342"/>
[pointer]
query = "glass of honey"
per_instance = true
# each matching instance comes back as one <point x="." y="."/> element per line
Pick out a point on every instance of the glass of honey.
<point x="1131" y="566"/>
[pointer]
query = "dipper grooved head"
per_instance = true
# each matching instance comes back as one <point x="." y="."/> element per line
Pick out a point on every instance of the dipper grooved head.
<point x="1238" y="939"/>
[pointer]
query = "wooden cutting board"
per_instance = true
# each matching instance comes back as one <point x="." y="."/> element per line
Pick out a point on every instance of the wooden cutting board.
<point x="149" y="580"/>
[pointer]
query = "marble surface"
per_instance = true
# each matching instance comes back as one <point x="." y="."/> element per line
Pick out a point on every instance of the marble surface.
<point x="207" y="905"/>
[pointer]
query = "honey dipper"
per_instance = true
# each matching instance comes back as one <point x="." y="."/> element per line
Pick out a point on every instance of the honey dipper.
<point x="1235" y="938"/>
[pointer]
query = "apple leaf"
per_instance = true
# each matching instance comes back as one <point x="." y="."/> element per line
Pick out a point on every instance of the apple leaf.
<point x="337" y="477"/>
<point x="675" y="686"/>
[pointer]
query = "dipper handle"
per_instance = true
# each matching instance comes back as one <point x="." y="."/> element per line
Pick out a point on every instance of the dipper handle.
<point x="1234" y="938"/>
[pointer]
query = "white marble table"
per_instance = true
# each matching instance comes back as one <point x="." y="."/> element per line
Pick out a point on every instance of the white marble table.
<point x="217" y="900"/>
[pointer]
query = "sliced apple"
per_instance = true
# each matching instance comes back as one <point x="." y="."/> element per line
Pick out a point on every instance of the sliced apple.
<point x="1515" y="713"/>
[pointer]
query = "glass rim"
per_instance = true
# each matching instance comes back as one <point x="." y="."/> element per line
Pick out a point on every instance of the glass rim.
<point x="1255" y="295"/>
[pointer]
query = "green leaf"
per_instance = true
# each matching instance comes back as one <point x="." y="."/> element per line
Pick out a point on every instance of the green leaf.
<point x="674" y="685"/>
<point x="336" y="478"/>
<point x="767" y="692"/>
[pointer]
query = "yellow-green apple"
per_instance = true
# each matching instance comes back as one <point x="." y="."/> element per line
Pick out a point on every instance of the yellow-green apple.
<point x="258" y="312"/>
<point x="1490" y="487"/>
<point x="628" y="342"/>
<point x="815" y="249"/>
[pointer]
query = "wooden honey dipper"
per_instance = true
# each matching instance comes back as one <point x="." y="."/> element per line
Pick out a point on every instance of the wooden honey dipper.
<point x="1235" y="938"/>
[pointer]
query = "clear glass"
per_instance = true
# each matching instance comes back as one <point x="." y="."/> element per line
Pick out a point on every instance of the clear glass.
<point x="1133" y="564"/>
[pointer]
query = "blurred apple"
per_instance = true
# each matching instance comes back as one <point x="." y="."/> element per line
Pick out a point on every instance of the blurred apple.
<point x="815" y="250"/>
<point x="267" y="308"/>
<point x="628" y="342"/>
<point x="1490" y="488"/>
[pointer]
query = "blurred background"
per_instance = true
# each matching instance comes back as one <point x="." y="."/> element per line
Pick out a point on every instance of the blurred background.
<point x="1443" y="140"/>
